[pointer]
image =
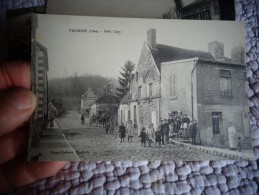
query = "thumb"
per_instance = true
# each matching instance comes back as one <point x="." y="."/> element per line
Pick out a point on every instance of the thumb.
<point x="16" y="106"/>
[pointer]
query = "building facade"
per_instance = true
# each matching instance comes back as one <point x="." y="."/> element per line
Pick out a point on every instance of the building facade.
<point x="87" y="100"/>
<point x="106" y="104"/>
<point x="207" y="86"/>
<point x="40" y="87"/>
<point x="209" y="10"/>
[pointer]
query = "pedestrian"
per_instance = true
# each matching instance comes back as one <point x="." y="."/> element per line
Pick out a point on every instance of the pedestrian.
<point x="162" y="132"/>
<point x="107" y="127"/>
<point x="130" y="130"/>
<point x="150" y="134"/>
<point x="82" y="120"/>
<point x="111" y="127"/>
<point x="158" y="133"/>
<point x="143" y="136"/>
<point x="232" y="137"/>
<point x="122" y="132"/>
<point x="239" y="144"/>
<point x="171" y="119"/>
<point x="178" y="126"/>
<point x="185" y="126"/>
<point x="193" y="128"/>
<point x="51" y="122"/>
<point x="140" y="127"/>
<point x="166" y="130"/>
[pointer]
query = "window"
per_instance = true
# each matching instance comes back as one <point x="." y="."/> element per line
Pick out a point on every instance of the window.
<point x="40" y="58"/>
<point x="225" y="82"/>
<point x="41" y="65"/>
<point x="41" y="71"/>
<point x="172" y="84"/>
<point x="139" y="94"/>
<point x="40" y="98"/>
<point x="216" y="122"/>
<point x="150" y="85"/>
<point x="136" y="76"/>
<point x="40" y="78"/>
<point x="129" y="118"/>
<point x="40" y="84"/>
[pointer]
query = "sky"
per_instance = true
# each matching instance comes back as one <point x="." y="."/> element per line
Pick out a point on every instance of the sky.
<point x="105" y="53"/>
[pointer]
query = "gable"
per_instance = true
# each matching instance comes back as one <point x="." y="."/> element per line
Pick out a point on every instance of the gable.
<point x="146" y="63"/>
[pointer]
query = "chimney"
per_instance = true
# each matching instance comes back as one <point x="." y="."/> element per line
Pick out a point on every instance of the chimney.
<point x="151" y="38"/>
<point x="217" y="50"/>
<point x="238" y="55"/>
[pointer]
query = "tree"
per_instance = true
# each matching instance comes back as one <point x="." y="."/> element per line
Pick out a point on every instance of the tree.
<point x="174" y="12"/>
<point x="125" y="79"/>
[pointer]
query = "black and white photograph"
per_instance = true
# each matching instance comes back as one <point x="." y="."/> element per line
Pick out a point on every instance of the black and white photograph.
<point x="138" y="89"/>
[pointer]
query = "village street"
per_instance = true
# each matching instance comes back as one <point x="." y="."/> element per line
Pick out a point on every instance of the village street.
<point x="92" y="143"/>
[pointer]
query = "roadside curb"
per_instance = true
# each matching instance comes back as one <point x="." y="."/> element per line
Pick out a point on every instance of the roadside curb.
<point x="65" y="139"/>
<point x="213" y="151"/>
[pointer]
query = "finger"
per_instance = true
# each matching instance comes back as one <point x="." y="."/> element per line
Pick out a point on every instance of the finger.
<point x="16" y="105"/>
<point x="13" y="144"/>
<point x="15" y="74"/>
<point x="20" y="172"/>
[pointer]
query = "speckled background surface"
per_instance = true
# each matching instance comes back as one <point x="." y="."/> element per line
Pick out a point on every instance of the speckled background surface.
<point x="160" y="177"/>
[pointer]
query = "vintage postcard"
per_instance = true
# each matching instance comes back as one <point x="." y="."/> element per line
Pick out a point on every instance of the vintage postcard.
<point x="138" y="89"/>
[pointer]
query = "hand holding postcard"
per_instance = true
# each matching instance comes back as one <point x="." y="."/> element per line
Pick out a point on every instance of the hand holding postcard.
<point x="138" y="89"/>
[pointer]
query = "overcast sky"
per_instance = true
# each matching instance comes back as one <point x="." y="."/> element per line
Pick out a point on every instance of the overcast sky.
<point x="105" y="53"/>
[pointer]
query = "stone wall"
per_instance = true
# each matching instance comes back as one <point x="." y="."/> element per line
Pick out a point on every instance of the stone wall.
<point x="210" y="99"/>
<point x="208" y="84"/>
<point x="146" y="73"/>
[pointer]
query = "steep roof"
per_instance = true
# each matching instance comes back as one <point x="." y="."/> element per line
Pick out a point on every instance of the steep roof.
<point x="126" y="99"/>
<point x="165" y="53"/>
<point x="107" y="99"/>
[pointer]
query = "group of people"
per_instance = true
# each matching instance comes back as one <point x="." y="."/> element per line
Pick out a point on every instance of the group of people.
<point x="178" y="126"/>
<point x="99" y="119"/>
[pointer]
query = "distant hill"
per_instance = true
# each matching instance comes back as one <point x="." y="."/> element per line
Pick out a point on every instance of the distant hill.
<point x="68" y="91"/>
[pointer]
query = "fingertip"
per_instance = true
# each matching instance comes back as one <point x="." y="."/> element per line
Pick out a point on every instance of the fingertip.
<point x="17" y="105"/>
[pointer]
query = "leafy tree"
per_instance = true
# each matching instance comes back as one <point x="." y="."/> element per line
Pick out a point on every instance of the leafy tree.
<point x="173" y="12"/>
<point x="125" y="79"/>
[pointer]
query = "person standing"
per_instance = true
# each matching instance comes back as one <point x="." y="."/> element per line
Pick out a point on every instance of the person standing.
<point x="193" y="131"/>
<point x="151" y="132"/>
<point x="170" y="120"/>
<point x="185" y="125"/>
<point x="107" y="127"/>
<point x="82" y="120"/>
<point x="143" y="136"/>
<point x="166" y="130"/>
<point x="232" y="139"/>
<point x="122" y="132"/>
<point x="178" y="125"/>
<point x="162" y="135"/>
<point x="130" y="130"/>
<point x="140" y="127"/>
<point x="158" y="134"/>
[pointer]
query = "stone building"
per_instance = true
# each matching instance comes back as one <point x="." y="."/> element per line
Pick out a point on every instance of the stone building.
<point x="106" y="104"/>
<point x="87" y="100"/>
<point x="209" y="10"/>
<point x="210" y="90"/>
<point x="39" y="78"/>
<point x="207" y="86"/>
